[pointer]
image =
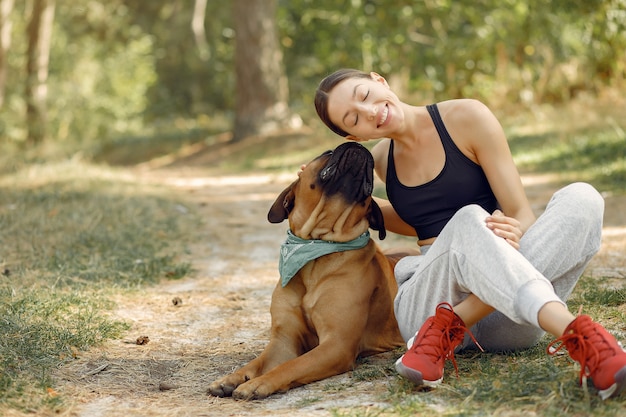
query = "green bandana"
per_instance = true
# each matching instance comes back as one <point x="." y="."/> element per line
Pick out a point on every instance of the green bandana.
<point x="296" y="252"/>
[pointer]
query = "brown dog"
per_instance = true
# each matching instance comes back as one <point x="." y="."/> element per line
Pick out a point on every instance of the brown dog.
<point x="337" y="306"/>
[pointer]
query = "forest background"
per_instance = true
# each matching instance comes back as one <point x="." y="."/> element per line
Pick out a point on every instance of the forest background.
<point x="87" y="73"/>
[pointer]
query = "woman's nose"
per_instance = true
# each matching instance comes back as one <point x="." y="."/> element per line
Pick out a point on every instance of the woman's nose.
<point x="369" y="110"/>
<point x="373" y="112"/>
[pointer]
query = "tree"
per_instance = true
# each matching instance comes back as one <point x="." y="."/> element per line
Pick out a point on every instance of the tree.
<point x="5" y="41"/>
<point x="262" y="90"/>
<point x="197" y="27"/>
<point x="39" y="34"/>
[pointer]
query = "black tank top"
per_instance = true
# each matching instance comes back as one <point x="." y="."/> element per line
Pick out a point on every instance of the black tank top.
<point x="428" y="207"/>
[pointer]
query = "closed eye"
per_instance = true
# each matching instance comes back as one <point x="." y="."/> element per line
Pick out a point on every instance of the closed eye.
<point x="356" y="119"/>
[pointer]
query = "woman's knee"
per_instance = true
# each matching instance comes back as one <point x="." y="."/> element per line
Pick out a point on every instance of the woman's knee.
<point x="472" y="214"/>
<point x="468" y="223"/>
<point x="584" y="207"/>
<point x="583" y="198"/>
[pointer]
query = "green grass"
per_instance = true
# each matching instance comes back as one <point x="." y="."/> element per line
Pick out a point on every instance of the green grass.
<point x="593" y="154"/>
<point x="71" y="234"/>
<point x="41" y="329"/>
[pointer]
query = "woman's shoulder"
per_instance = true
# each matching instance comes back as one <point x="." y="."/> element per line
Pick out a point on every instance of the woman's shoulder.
<point x="463" y="108"/>
<point x="472" y="126"/>
<point x="467" y="114"/>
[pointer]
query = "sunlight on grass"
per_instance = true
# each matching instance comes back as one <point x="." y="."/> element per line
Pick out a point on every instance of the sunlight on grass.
<point x="597" y="156"/>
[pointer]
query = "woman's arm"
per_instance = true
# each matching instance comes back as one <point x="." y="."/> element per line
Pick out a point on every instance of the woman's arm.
<point x="393" y="222"/>
<point x="481" y="135"/>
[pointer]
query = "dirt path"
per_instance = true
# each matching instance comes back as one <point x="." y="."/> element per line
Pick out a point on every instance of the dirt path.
<point x="223" y="320"/>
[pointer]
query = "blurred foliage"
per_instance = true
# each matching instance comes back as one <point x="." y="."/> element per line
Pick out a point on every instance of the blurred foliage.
<point x="517" y="50"/>
<point x="121" y="68"/>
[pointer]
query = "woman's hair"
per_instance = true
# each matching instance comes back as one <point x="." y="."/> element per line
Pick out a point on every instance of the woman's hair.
<point x="324" y="89"/>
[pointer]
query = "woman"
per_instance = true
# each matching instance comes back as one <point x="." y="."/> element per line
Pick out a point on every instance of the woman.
<point x="486" y="262"/>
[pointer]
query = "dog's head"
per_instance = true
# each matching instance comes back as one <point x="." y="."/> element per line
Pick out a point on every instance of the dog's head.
<point x="332" y="198"/>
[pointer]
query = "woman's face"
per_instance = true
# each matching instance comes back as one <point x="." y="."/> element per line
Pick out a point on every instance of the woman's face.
<point x="366" y="108"/>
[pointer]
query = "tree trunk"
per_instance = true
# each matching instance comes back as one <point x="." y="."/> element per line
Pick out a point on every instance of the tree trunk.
<point x="39" y="33"/>
<point x="262" y="90"/>
<point x="5" y="42"/>
<point x="199" y="32"/>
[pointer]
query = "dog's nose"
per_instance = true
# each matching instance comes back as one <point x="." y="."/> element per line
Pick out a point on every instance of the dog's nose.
<point x="326" y="172"/>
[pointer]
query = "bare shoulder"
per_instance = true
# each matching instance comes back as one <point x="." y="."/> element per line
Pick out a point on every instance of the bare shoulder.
<point x="465" y="111"/>
<point x="470" y="120"/>
<point x="473" y="127"/>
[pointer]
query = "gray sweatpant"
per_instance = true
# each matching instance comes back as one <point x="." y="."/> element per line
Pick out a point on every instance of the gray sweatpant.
<point x="467" y="257"/>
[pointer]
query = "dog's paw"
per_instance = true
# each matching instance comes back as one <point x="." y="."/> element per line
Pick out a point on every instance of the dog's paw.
<point x="220" y="390"/>
<point x="224" y="387"/>
<point x="255" y="389"/>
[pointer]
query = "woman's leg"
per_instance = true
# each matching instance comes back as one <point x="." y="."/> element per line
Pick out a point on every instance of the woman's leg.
<point x="559" y="245"/>
<point x="565" y="246"/>
<point x="467" y="258"/>
<point x="566" y="236"/>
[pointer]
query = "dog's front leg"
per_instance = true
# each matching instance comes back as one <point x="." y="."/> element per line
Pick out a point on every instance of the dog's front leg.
<point x="225" y="386"/>
<point x="288" y="334"/>
<point x="339" y="318"/>
<point x="331" y="357"/>
<point x="275" y="353"/>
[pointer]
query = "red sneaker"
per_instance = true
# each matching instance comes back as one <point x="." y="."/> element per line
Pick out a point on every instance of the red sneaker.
<point x="434" y="343"/>
<point x="600" y="356"/>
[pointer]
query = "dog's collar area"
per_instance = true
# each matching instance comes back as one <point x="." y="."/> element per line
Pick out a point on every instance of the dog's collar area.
<point x="297" y="252"/>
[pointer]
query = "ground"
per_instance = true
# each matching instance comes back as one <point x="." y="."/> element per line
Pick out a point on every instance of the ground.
<point x="206" y="325"/>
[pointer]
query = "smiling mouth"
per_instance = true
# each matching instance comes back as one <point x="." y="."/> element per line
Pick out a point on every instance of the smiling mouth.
<point x="383" y="118"/>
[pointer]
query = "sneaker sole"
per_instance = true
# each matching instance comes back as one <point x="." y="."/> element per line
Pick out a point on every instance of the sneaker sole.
<point x="415" y="376"/>
<point x="617" y="388"/>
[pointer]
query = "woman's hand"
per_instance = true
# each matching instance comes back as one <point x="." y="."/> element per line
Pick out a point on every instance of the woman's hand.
<point x="505" y="227"/>
<point x="301" y="169"/>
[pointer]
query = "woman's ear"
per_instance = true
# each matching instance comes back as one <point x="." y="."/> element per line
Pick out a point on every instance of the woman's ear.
<point x="379" y="78"/>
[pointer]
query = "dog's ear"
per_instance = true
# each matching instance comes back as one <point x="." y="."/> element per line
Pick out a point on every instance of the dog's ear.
<point x="375" y="217"/>
<point x="283" y="205"/>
